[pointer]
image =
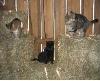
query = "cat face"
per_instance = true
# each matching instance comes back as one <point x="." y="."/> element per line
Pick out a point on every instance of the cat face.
<point x="70" y="21"/>
<point x="15" y="27"/>
<point x="69" y="15"/>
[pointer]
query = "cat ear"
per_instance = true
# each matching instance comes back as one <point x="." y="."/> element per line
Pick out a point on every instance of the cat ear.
<point x="70" y="12"/>
<point x="8" y="25"/>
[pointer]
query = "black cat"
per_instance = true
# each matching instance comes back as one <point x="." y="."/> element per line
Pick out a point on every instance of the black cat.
<point x="47" y="55"/>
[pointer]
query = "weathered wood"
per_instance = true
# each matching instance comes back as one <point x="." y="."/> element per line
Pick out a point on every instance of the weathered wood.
<point x="59" y="17"/>
<point x="48" y="14"/>
<point x="10" y="5"/>
<point x="21" y="5"/>
<point x="74" y="5"/>
<point x="47" y="9"/>
<point x="97" y="15"/>
<point x="35" y="17"/>
<point x="88" y="7"/>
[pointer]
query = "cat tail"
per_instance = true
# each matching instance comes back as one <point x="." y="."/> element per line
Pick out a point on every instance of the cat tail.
<point x="35" y="59"/>
<point x="94" y="21"/>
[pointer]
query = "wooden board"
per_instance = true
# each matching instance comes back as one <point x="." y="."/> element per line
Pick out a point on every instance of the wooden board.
<point x="48" y="17"/>
<point x="21" y="5"/>
<point x="35" y="17"/>
<point x="88" y="13"/>
<point x="35" y="20"/>
<point x="74" y="5"/>
<point x="10" y="5"/>
<point x="97" y="15"/>
<point x="59" y="17"/>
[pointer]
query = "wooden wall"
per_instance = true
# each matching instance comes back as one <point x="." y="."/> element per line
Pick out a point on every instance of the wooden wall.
<point x="97" y="15"/>
<point x="53" y="12"/>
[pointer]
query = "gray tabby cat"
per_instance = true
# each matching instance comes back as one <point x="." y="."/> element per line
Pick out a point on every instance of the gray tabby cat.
<point x="15" y="27"/>
<point x="77" y="23"/>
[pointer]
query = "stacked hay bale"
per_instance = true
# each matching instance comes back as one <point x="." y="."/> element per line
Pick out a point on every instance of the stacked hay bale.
<point x="76" y="58"/>
<point x="79" y="58"/>
<point x="15" y="54"/>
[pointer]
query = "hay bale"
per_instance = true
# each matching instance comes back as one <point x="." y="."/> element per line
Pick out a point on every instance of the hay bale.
<point x="15" y="58"/>
<point x="79" y="58"/>
<point x="15" y="54"/>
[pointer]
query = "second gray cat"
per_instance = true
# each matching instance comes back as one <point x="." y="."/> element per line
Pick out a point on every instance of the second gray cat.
<point x="77" y="23"/>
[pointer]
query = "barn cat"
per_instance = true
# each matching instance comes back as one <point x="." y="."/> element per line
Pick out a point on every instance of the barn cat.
<point x="47" y="55"/>
<point x="77" y="23"/>
<point x="15" y="27"/>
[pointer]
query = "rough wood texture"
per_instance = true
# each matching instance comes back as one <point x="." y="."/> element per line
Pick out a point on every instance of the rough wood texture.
<point x="48" y="14"/>
<point x="35" y="17"/>
<point x="47" y="6"/>
<point x="59" y="17"/>
<point x="21" y="5"/>
<point x="88" y="13"/>
<point x="97" y="15"/>
<point x="10" y="5"/>
<point x="74" y="5"/>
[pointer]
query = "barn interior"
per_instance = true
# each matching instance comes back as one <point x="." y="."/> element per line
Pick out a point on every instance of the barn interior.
<point x="43" y="22"/>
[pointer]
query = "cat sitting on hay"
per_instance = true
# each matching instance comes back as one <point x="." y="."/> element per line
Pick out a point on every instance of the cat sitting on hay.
<point x="77" y="23"/>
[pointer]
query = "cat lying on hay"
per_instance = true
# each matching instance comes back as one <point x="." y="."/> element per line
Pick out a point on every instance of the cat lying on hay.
<point x="77" y="23"/>
<point x="47" y="55"/>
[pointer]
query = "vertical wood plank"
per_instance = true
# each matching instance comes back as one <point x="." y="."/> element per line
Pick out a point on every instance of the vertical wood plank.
<point x="60" y="14"/>
<point x="10" y="4"/>
<point x="48" y="14"/>
<point x="88" y="7"/>
<point x="21" y="5"/>
<point x="97" y="15"/>
<point x="35" y="22"/>
<point x="35" y="17"/>
<point x="74" y="5"/>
